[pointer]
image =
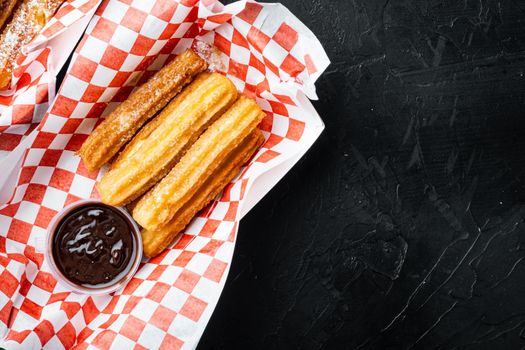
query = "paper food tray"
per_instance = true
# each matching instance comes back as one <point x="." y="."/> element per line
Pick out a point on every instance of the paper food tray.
<point x="267" y="53"/>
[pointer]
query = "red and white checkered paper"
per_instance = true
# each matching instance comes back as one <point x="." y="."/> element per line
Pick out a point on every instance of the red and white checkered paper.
<point x="268" y="54"/>
<point x="33" y="84"/>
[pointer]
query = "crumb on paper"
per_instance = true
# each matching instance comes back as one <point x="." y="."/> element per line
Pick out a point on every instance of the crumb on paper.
<point x="215" y="58"/>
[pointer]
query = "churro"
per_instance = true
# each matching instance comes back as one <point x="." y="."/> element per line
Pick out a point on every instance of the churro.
<point x="155" y="242"/>
<point x="154" y="151"/>
<point x="27" y="21"/>
<point x="120" y="126"/>
<point x="6" y="7"/>
<point x="157" y="207"/>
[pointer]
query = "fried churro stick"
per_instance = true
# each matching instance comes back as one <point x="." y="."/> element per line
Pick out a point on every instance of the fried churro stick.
<point x="6" y="8"/>
<point x="156" y="241"/>
<point x="157" y="207"/>
<point x="27" y="21"/>
<point x="120" y="126"/>
<point x="154" y="151"/>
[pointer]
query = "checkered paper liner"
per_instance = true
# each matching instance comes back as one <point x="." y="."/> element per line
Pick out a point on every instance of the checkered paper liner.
<point x="268" y="54"/>
<point x="33" y="85"/>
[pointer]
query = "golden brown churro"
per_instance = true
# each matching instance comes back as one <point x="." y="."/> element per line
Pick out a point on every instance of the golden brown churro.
<point x="157" y="207"/>
<point x="27" y="21"/>
<point x="160" y="144"/>
<point x="120" y="126"/>
<point x="156" y="241"/>
<point x="6" y="8"/>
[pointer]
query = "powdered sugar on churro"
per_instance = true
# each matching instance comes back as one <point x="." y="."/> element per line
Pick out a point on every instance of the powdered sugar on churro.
<point x="27" y="21"/>
<point x="157" y="207"/>
<point x="216" y="59"/>
<point x="149" y="98"/>
<point x="161" y="143"/>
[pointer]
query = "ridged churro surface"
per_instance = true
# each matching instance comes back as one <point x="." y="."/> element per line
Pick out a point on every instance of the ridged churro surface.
<point x="154" y="151"/>
<point x="6" y="8"/>
<point x="156" y="241"/>
<point x="120" y="126"/>
<point x="157" y="207"/>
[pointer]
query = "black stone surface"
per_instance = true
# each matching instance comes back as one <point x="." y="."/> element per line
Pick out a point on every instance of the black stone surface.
<point x="403" y="227"/>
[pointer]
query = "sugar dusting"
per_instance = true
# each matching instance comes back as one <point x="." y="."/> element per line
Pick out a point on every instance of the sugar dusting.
<point x="215" y="58"/>
<point x="143" y="103"/>
<point x="28" y="19"/>
<point x="159" y="205"/>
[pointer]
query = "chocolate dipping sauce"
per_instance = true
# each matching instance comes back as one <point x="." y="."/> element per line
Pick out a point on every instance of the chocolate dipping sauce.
<point x="93" y="245"/>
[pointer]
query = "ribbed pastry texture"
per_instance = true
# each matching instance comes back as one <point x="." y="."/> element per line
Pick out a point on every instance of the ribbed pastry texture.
<point x="6" y="8"/>
<point x="154" y="151"/>
<point x="157" y="207"/>
<point x="120" y="125"/>
<point x="156" y="241"/>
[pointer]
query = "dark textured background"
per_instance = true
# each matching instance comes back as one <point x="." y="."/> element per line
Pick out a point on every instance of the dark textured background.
<point x="403" y="226"/>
